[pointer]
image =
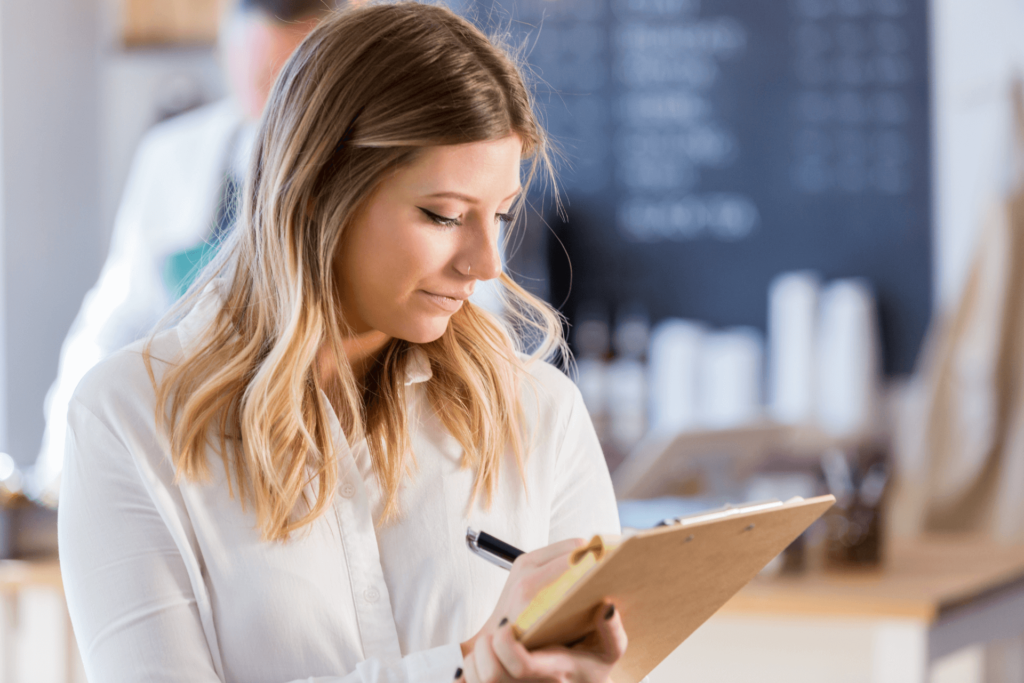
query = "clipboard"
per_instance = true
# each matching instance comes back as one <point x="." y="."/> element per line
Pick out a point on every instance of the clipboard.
<point x="669" y="580"/>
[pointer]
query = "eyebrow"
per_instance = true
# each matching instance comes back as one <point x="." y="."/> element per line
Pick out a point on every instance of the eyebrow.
<point x="466" y="198"/>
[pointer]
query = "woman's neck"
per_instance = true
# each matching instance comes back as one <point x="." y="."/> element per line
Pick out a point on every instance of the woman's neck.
<point x="361" y="351"/>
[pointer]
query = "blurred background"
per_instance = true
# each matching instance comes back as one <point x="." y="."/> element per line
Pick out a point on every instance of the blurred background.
<point x="790" y="254"/>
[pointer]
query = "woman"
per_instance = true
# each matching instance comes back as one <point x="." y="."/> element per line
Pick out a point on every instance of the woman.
<point x="278" y="487"/>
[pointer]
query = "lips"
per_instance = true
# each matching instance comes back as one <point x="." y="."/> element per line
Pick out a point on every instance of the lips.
<point x="447" y="302"/>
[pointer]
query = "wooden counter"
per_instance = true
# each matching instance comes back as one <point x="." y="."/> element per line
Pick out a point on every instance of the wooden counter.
<point x="923" y="579"/>
<point x="897" y="624"/>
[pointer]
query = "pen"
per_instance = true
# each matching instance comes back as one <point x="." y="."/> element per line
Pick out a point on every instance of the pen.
<point x="492" y="549"/>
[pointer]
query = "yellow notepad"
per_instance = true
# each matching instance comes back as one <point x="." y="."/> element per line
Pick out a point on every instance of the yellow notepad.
<point x="664" y="582"/>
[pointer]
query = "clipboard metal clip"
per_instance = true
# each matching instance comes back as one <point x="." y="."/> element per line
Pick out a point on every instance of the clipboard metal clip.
<point x="727" y="510"/>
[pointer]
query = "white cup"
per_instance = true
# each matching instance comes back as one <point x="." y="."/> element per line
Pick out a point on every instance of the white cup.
<point x="849" y="360"/>
<point x="730" y="378"/>
<point x="673" y="362"/>
<point x="792" y="341"/>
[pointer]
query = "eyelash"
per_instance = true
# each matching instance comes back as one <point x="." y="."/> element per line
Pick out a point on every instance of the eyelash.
<point x="446" y="222"/>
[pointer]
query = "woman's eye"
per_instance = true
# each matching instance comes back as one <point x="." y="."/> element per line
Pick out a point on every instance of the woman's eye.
<point x="505" y="218"/>
<point x="443" y="221"/>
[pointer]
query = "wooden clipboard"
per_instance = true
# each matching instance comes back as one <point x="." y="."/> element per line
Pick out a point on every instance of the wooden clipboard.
<point x="669" y="580"/>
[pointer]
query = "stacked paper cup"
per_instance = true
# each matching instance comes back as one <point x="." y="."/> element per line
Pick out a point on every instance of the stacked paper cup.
<point x="674" y="359"/>
<point x="703" y="379"/>
<point x="792" y="334"/>
<point x="730" y="378"/>
<point x="848" y="362"/>
<point x="824" y="353"/>
<point x="824" y="366"/>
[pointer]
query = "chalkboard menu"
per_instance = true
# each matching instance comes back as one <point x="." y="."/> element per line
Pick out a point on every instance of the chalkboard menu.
<point x="712" y="144"/>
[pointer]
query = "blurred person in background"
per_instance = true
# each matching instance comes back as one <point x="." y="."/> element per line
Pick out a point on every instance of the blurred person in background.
<point x="178" y="204"/>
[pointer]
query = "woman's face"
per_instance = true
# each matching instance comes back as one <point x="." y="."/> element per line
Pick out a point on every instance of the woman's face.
<point x="428" y="234"/>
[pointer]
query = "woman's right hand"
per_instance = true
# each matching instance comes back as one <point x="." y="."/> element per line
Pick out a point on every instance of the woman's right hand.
<point x="491" y="655"/>
<point x="500" y="658"/>
<point x="530" y="572"/>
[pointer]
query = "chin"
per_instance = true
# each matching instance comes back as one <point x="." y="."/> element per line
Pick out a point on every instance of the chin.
<point x="424" y="333"/>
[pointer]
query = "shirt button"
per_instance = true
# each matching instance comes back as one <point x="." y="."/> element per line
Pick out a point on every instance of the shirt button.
<point x="371" y="595"/>
<point x="348" y="490"/>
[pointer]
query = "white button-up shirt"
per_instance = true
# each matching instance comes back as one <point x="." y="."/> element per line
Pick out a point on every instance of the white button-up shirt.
<point x="170" y="581"/>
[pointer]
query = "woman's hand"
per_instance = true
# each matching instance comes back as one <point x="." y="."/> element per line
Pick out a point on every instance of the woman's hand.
<point x="493" y="654"/>
<point x="530" y="572"/>
<point x="499" y="658"/>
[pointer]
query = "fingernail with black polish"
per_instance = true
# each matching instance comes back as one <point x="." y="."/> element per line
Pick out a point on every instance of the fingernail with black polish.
<point x="575" y="642"/>
<point x="610" y="613"/>
<point x="458" y="673"/>
<point x="503" y="622"/>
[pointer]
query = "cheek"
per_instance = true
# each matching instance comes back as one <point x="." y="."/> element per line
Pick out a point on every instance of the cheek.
<point x="373" y="278"/>
<point x="388" y="263"/>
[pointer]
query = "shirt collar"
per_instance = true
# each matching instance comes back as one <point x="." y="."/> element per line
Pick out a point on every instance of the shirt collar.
<point x="417" y="370"/>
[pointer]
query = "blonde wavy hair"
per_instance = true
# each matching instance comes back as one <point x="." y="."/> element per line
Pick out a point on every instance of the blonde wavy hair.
<point x="363" y="93"/>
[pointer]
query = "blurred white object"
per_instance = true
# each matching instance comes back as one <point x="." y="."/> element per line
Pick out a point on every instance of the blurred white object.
<point x="673" y="362"/>
<point x="626" y="402"/>
<point x="792" y="331"/>
<point x="10" y="476"/>
<point x="730" y="378"/>
<point x="592" y="380"/>
<point x="848" y="359"/>
<point x="7" y="466"/>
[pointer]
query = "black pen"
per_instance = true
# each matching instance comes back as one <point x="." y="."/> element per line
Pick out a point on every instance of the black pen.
<point x="492" y="549"/>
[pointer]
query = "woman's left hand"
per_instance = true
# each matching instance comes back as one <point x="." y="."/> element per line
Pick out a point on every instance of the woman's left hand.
<point x="499" y="658"/>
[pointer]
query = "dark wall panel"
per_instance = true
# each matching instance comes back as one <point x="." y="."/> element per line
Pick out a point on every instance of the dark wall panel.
<point x="713" y="144"/>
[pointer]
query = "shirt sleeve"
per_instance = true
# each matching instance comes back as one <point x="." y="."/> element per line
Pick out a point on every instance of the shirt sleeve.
<point x="584" y="501"/>
<point x="133" y="608"/>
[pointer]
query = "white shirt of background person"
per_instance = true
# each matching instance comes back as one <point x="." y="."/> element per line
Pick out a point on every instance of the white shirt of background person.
<point x="170" y="203"/>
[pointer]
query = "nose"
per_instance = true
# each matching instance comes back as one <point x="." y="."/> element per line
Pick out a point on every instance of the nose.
<point x="480" y="256"/>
